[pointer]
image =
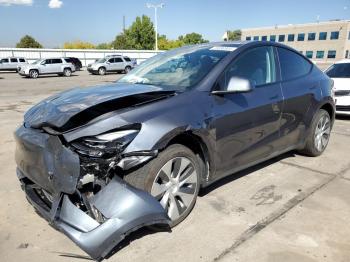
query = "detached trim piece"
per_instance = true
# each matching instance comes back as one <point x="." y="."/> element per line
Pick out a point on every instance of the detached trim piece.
<point x="126" y="208"/>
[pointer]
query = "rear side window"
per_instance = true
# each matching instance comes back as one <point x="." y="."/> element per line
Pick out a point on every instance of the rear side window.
<point x="13" y="60"/>
<point x="339" y="71"/>
<point x="127" y="59"/>
<point x="22" y="60"/>
<point x="257" y="65"/>
<point x="118" y="60"/>
<point x="292" y="64"/>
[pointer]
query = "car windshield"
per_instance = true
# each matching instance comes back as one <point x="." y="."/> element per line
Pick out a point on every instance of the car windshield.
<point x="178" y="69"/>
<point x="37" y="62"/>
<point x="339" y="71"/>
<point x="101" y="60"/>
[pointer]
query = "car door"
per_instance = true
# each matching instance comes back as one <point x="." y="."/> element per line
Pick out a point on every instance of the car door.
<point x="46" y="66"/>
<point x="5" y="63"/>
<point x="299" y="90"/>
<point x="247" y="124"/>
<point x="119" y="63"/>
<point x="13" y="63"/>
<point x="56" y="65"/>
<point x="110" y="64"/>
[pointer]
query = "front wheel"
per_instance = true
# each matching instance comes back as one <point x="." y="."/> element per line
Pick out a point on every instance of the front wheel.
<point x="101" y="71"/>
<point x="33" y="74"/>
<point x="319" y="135"/>
<point x="173" y="179"/>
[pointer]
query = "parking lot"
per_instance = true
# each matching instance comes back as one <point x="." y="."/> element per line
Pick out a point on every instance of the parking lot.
<point x="291" y="208"/>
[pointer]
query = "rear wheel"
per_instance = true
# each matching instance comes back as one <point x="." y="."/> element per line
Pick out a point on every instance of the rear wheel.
<point x="173" y="179"/>
<point x="102" y="71"/>
<point x="67" y="72"/>
<point x="33" y="74"/>
<point x="320" y="131"/>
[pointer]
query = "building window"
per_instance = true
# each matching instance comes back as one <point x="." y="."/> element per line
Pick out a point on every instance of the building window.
<point x="273" y="38"/>
<point x="309" y="54"/>
<point x="256" y="38"/>
<point x="248" y="38"/>
<point x="301" y="37"/>
<point x="290" y="37"/>
<point x="334" y="35"/>
<point x="264" y="38"/>
<point x="319" y="54"/>
<point x="323" y="36"/>
<point x="311" y="36"/>
<point x="331" y="54"/>
<point x="281" y="38"/>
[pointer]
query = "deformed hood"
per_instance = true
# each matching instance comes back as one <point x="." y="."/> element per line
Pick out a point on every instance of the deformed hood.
<point x="77" y="106"/>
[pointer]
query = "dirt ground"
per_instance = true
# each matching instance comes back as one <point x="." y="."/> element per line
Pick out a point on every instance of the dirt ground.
<point x="291" y="208"/>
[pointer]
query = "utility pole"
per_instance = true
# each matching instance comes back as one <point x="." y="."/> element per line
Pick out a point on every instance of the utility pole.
<point x="123" y="23"/>
<point x="155" y="19"/>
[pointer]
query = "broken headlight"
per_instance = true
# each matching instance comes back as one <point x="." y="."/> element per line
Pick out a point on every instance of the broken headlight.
<point x="104" y="145"/>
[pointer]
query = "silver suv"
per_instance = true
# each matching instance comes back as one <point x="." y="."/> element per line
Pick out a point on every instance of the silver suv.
<point x="115" y="63"/>
<point x="12" y="63"/>
<point x="59" y="66"/>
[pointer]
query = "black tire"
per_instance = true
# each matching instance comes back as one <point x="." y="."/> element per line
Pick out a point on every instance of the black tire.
<point x="33" y="73"/>
<point x="310" y="148"/>
<point x="144" y="177"/>
<point x="127" y="69"/>
<point x="67" y="72"/>
<point x="102" y="71"/>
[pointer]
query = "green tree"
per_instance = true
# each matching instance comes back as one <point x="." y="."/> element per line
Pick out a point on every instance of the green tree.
<point x="140" y="35"/>
<point x="104" y="46"/>
<point x="28" y="42"/>
<point x="234" y="35"/>
<point x="166" y="44"/>
<point x="78" y="45"/>
<point x="192" y="39"/>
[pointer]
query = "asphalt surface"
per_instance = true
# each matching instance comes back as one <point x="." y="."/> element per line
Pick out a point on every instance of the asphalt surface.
<point x="291" y="208"/>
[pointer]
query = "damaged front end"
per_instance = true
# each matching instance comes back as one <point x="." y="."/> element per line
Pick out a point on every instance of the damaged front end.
<point x="77" y="186"/>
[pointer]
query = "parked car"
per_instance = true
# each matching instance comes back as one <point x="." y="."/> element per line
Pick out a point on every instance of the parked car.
<point x="340" y="73"/>
<point x="11" y="63"/>
<point x="115" y="63"/>
<point x="59" y="66"/>
<point x="100" y="162"/>
<point x="75" y="61"/>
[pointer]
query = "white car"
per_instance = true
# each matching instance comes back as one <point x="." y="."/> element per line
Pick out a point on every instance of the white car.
<point x="59" y="66"/>
<point x="113" y="63"/>
<point x="340" y="73"/>
<point x="12" y="63"/>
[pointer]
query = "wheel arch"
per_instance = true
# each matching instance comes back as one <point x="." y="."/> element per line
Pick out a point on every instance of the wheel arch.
<point x="199" y="147"/>
<point x="330" y="109"/>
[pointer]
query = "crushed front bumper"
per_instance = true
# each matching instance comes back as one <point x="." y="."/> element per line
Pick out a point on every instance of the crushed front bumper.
<point x="45" y="165"/>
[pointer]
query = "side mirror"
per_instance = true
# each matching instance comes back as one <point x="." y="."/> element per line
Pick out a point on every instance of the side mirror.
<point x="237" y="85"/>
<point x="108" y="62"/>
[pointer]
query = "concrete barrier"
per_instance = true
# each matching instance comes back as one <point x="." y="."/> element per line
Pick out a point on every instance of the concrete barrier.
<point x="86" y="56"/>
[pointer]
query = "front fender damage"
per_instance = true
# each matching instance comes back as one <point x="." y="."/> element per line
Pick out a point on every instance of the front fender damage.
<point x="100" y="208"/>
<point x="124" y="208"/>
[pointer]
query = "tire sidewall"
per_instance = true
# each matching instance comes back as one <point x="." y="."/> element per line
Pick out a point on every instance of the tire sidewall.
<point x="101" y="71"/>
<point x="31" y="74"/>
<point x="317" y="118"/>
<point x="171" y="152"/>
<point x="67" y="72"/>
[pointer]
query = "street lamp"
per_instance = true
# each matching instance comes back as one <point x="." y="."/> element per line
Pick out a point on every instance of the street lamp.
<point x="155" y="18"/>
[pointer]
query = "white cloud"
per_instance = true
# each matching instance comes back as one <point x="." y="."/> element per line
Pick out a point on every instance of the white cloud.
<point x="55" y="3"/>
<point x="16" y="2"/>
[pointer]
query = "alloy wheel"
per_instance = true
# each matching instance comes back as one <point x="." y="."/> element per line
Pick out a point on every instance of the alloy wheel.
<point x="322" y="133"/>
<point x="175" y="186"/>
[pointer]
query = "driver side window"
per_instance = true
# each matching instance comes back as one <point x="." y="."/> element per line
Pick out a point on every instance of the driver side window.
<point x="256" y="65"/>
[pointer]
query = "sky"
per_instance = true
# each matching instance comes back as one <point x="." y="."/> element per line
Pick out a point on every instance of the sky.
<point x="53" y="22"/>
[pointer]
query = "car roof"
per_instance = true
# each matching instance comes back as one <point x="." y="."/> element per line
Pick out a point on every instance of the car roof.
<point x="344" y="61"/>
